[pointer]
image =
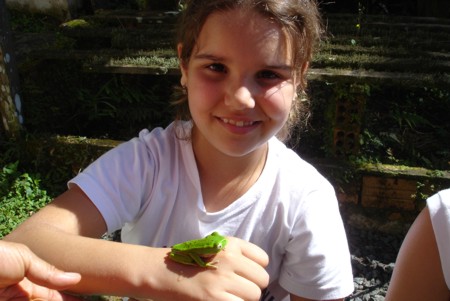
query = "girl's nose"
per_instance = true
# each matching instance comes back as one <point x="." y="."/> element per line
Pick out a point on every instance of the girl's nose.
<point x="240" y="97"/>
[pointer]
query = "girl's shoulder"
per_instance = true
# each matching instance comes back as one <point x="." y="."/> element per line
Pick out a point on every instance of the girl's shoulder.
<point x="180" y="130"/>
<point x="293" y="169"/>
<point x="164" y="139"/>
<point x="288" y="159"/>
<point x="156" y="147"/>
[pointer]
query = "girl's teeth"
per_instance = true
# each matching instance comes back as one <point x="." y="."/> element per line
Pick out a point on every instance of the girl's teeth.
<point x="236" y="123"/>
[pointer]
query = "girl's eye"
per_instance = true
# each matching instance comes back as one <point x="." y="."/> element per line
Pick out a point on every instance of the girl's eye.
<point x="267" y="74"/>
<point x="217" y="67"/>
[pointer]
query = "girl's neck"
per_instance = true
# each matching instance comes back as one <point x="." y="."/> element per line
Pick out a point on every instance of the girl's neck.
<point x="225" y="178"/>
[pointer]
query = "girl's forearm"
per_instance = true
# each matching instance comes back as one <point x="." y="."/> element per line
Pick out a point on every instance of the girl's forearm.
<point x="106" y="267"/>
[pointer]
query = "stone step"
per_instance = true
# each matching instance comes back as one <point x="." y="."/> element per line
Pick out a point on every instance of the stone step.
<point x="394" y="188"/>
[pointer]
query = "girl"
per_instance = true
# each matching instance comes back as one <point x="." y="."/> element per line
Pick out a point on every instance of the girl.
<point x="218" y="167"/>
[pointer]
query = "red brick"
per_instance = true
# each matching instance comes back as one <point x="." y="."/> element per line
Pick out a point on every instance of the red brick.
<point x="388" y="192"/>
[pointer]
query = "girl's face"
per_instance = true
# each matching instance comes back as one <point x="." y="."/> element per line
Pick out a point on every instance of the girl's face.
<point x="240" y="82"/>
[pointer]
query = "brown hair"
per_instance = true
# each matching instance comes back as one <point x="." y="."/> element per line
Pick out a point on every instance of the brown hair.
<point x="300" y="20"/>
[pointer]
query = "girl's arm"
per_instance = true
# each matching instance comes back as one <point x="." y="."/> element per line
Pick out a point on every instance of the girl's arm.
<point x="66" y="234"/>
<point x="418" y="273"/>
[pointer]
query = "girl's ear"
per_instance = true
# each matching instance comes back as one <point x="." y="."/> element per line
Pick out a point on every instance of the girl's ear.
<point x="301" y="81"/>
<point x="183" y="69"/>
<point x="304" y="68"/>
<point x="179" y="49"/>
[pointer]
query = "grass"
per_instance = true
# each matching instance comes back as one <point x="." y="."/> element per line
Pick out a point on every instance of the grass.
<point x="21" y="196"/>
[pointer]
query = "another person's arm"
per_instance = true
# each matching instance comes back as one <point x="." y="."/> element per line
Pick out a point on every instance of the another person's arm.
<point x="65" y="233"/>
<point x="297" y="298"/>
<point x="418" y="273"/>
<point x="25" y="276"/>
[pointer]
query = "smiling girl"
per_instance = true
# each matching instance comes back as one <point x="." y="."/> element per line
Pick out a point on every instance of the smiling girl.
<point x="218" y="167"/>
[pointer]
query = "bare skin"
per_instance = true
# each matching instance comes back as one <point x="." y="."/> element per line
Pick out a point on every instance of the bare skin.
<point x="296" y="298"/>
<point x="71" y="224"/>
<point x="24" y="276"/>
<point x="418" y="273"/>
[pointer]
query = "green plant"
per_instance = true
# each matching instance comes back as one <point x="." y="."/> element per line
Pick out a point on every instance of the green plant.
<point x="164" y="64"/>
<point x="124" y="106"/>
<point x="142" y="4"/>
<point x="26" y="22"/>
<point x="76" y="23"/>
<point x="181" y="5"/>
<point x="361" y="10"/>
<point x="21" y="196"/>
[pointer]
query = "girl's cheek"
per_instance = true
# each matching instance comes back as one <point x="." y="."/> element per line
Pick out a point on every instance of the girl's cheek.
<point x="207" y="83"/>
<point x="279" y="98"/>
<point x="203" y="93"/>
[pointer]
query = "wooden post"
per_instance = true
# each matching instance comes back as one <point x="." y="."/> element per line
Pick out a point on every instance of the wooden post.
<point x="10" y="99"/>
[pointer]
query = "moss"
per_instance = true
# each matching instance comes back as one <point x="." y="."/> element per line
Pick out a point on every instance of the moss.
<point x="76" y="23"/>
<point x="402" y="170"/>
<point x="60" y="158"/>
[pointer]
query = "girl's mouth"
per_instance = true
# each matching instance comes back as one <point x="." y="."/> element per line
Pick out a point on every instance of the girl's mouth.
<point x="238" y="123"/>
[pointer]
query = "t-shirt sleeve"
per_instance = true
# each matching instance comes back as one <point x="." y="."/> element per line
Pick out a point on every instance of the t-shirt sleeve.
<point x="117" y="181"/>
<point x="317" y="263"/>
<point x="439" y="207"/>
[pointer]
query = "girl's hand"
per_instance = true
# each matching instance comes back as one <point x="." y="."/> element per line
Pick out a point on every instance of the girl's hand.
<point x="240" y="275"/>
<point x="24" y="276"/>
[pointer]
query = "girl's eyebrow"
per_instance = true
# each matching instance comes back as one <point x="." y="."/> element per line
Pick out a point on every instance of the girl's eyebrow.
<point x="211" y="57"/>
<point x="206" y="56"/>
<point x="280" y="67"/>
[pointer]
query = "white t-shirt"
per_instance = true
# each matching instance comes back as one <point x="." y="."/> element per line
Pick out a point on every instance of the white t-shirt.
<point x="149" y="187"/>
<point x="439" y="207"/>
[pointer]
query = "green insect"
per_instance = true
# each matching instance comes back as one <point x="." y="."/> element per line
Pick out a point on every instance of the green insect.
<point x="198" y="251"/>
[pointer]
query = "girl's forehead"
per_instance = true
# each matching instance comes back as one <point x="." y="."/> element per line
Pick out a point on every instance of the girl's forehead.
<point x="248" y="28"/>
<point x="242" y="18"/>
